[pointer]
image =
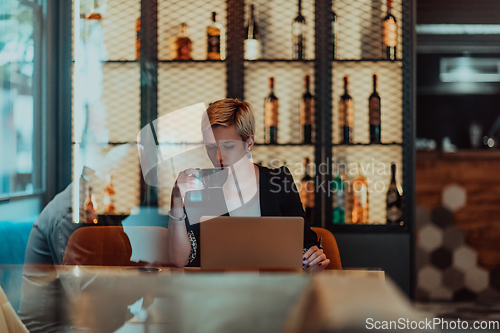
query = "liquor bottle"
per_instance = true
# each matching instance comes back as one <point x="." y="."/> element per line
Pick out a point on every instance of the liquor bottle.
<point x="360" y="196"/>
<point x="335" y="31"/>
<point x="307" y="112"/>
<point x="215" y="40"/>
<point x="389" y="34"/>
<point x="346" y="114"/>
<point x="90" y="208"/>
<point x="299" y="30"/>
<point x="252" y="42"/>
<point x="183" y="44"/>
<point x="138" y="39"/>
<point x="271" y="116"/>
<point x="339" y="196"/>
<point x="92" y="15"/>
<point x="307" y="193"/>
<point x="394" y="209"/>
<point x="109" y="197"/>
<point x="374" y="113"/>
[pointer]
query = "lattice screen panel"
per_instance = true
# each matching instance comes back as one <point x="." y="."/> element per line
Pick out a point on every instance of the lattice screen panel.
<point x="375" y="163"/>
<point x="288" y="87"/>
<point x="121" y="97"/>
<point x="276" y="156"/>
<point x="359" y="33"/>
<point x="125" y="176"/>
<point x="107" y="95"/>
<point x="360" y="88"/>
<point x="274" y="19"/>
<point x="197" y="15"/>
<point x="118" y="26"/>
<point x="181" y="84"/>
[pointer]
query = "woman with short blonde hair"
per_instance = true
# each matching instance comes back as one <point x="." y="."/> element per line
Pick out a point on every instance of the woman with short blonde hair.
<point x="263" y="191"/>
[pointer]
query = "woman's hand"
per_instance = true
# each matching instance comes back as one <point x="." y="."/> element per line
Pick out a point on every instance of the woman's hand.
<point x="314" y="260"/>
<point x="188" y="181"/>
<point x="185" y="182"/>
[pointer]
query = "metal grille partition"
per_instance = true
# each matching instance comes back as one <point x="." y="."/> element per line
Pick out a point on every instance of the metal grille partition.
<point x="141" y="82"/>
<point x="134" y="84"/>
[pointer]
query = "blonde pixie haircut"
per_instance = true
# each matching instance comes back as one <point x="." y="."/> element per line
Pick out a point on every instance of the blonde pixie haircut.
<point x="229" y="111"/>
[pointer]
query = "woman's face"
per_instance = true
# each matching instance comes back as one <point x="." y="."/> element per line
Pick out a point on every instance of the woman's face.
<point x="225" y="146"/>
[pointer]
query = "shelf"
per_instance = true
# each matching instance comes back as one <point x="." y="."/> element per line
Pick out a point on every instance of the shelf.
<point x="256" y="61"/>
<point x="257" y="144"/>
<point x="120" y="61"/>
<point x="182" y="143"/>
<point x="280" y="60"/>
<point x="367" y="228"/>
<point x="160" y="61"/>
<point x="119" y="143"/>
<point x="189" y="61"/>
<point x="461" y="154"/>
<point x="112" y="143"/>
<point x="367" y="144"/>
<point x="367" y="60"/>
<point x="333" y="144"/>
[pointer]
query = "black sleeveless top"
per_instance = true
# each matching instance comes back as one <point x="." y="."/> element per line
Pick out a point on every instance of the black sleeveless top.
<point x="278" y="196"/>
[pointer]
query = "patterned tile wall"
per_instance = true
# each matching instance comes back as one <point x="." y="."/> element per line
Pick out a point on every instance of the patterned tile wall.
<point x="447" y="267"/>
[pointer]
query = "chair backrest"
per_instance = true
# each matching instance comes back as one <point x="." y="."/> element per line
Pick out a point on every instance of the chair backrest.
<point x="98" y="246"/>
<point x="148" y="243"/>
<point x="330" y="247"/>
<point x="9" y="321"/>
<point x="116" y="246"/>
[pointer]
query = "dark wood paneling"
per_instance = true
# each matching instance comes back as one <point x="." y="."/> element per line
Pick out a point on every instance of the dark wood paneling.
<point x="458" y="11"/>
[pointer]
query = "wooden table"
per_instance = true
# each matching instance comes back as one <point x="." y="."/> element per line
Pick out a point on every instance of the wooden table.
<point x="197" y="301"/>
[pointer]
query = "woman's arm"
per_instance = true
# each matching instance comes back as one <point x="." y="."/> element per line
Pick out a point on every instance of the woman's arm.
<point x="178" y="242"/>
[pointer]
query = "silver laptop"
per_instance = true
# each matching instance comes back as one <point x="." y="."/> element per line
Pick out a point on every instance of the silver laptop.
<point x="269" y="243"/>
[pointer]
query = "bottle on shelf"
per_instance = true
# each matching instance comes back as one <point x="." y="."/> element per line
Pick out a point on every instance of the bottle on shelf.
<point x="307" y="192"/>
<point x="138" y="39"/>
<point x="307" y="112"/>
<point x="252" y="46"/>
<point x="182" y="45"/>
<point x="389" y="34"/>
<point x="335" y="31"/>
<point x="360" y="199"/>
<point x="394" y="207"/>
<point x="93" y="14"/>
<point x="339" y="196"/>
<point x="215" y="40"/>
<point x="299" y="31"/>
<point x="346" y="114"/>
<point x="109" y="197"/>
<point x="374" y="112"/>
<point x="271" y="116"/>
<point x="90" y="208"/>
<point x="90" y="20"/>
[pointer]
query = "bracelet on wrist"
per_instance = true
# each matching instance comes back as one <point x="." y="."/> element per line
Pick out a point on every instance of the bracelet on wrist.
<point x="176" y="218"/>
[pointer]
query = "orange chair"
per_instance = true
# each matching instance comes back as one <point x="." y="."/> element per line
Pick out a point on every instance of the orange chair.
<point x="330" y="247"/>
<point x="116" y="246"/>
